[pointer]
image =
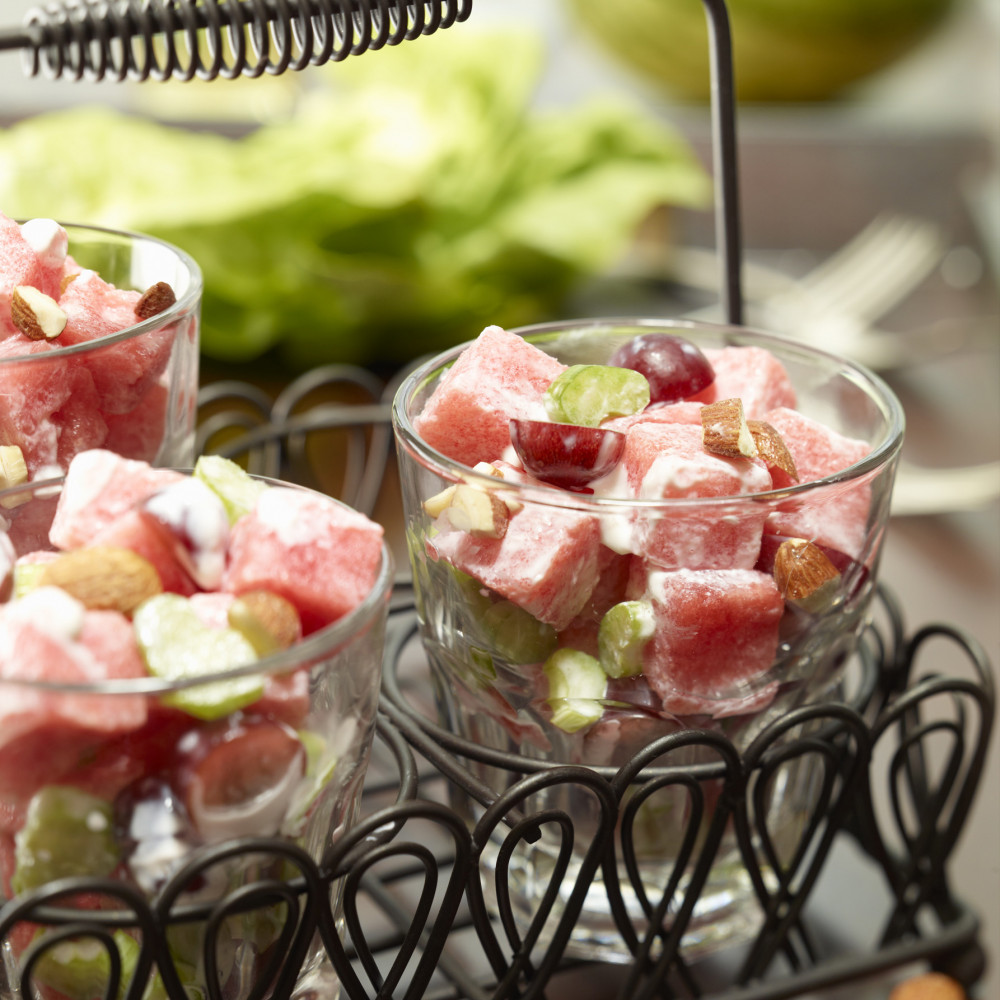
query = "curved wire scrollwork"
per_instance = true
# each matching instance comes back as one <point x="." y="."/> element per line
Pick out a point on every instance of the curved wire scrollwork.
<point x="210" y="39"/>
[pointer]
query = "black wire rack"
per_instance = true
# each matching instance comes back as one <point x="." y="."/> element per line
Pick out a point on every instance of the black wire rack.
<point x="416" y="923"/>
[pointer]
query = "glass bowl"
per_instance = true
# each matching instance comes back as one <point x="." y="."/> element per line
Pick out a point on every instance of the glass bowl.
<point x="707" y="641"/>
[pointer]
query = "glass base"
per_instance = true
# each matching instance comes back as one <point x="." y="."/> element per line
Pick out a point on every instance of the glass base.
<point x="726" y="914"/>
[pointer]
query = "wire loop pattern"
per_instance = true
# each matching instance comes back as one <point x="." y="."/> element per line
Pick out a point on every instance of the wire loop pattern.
<point x="411" y="872"/>
<point x="210" y="39"/>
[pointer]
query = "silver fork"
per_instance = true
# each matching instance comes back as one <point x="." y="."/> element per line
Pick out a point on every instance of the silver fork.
<point x="836" y="304"/>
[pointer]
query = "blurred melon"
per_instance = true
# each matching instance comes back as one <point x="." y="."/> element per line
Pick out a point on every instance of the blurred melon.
<point x="783" y="50"/>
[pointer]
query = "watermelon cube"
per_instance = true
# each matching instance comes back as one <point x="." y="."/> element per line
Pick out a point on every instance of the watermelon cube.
<point x="322" y="557"/>
<point x="548" y="561"/>
<point x="669" y="461"/>
<point x="685" y="412"/>
<point x="498" y="377"/>
<point x="124" y="371"/>
<point x="752" y="374"/>
<point x="31" y="393"/>
<point x="139" y="432"/>
<point x="44" y="734"/>
<point x="79" y="421"/>
<point x="132" y="530"/>
<point x="834" y="516"/>
<point x="716" y="635"/>
<point x="101" y="487"/>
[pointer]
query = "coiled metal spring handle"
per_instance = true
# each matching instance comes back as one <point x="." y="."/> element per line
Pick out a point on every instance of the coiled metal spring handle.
<point x="208" y="39"/>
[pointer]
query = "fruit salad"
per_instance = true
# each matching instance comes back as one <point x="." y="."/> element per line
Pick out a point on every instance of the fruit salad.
<point x="85" y="363"/>
<point x="648" y="525"/>
<point x="184" y="660"/>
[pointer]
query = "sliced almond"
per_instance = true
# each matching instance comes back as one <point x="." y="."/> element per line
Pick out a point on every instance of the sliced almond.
<point x="772" y="449"/>
<point x="436" y="505"/>
<point x="805" y="576"/>
<point x="103" y="578"/>
<point x="13" y="472"/>
<point x="36" y="314"/>
<point x="269" y="622"/>
<point x="486" y="469"/>
<point x="724" y="429"/>
<point x="67" y="280"/>
<point x="154" y="300"/>
<point x="477" y="511"/>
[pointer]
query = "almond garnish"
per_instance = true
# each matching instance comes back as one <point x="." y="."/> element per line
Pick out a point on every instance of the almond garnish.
<point x="13" y="472"/>
<point x="103" y="578"/>
<point x="436" y="505"/>
<point x="929" y="986"/>
<point x="772" y="449"/>
<point x="36" y="314"/>
<point x="805" y="576"/>
<point x="154" y="300"/>
<point x="67" y="280"/>
<point x="724" y="429"/>
<point x="478" y="512"/>
<point x="269" y="622"/>
<point x="468" y="508"/>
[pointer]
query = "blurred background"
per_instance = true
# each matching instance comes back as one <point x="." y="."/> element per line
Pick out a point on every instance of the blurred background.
<point x="552" y="158"/>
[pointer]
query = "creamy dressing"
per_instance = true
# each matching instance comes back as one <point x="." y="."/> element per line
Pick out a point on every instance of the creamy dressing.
<point x="196" y="515"/>
<point x="47" y="239"/>
<point x="50" y="610"/>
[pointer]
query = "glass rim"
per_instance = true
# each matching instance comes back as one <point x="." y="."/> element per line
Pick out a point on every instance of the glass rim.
<point x="316" y="646"/>
<point x="184" y="304"/>
<point x="871" y="384"/>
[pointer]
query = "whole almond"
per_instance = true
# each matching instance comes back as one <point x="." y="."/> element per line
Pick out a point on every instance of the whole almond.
<point x="724" y="429"/>
<point x="805" y="575"/>
<point x="929" y="986"/>
<point x="103" y="578"/>
<point x="36" y="314"/>
<point x="268" y="621"/>
<point x="154" y="300"/>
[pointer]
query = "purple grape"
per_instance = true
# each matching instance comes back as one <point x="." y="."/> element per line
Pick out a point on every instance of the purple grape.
<point x="673" y="366"/>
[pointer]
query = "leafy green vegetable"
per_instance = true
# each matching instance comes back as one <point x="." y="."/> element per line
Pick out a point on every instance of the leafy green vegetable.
<point x="413" y="196"/>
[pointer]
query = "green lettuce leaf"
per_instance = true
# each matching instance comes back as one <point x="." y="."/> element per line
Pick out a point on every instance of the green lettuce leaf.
<point x="413" y="196"/>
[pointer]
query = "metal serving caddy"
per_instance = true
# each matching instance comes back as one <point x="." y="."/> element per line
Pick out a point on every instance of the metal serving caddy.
<point x="416" y="923"/>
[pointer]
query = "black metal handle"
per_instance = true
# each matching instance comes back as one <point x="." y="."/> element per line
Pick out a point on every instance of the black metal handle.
<point x="207" y="39"/>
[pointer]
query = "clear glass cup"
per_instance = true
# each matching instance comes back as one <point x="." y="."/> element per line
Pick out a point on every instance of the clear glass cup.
<point x="489" y="647"/>
<point x="171" y="816"/>
<point x="134" y="391"/>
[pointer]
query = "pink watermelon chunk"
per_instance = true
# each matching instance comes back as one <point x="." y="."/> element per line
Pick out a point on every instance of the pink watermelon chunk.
<point x="752" y="374"/>
<point x="548" y="561"/>
<point x="320" y="556"/>
<point x="669" y="461"/>
<point x="31" y="393"/>
<point x="686" y="412"/>
<point x="835" y="516"/>
<point x="44" y="734"/>
<point x="100" y="487"/>
<point x="498" y="377"/>
<point x="124" y="371"/>
<point x="79" y="422"/>
<point x="716" y="633"/>
<point x="130" y="530"/>
<point x="139" y="432"/>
